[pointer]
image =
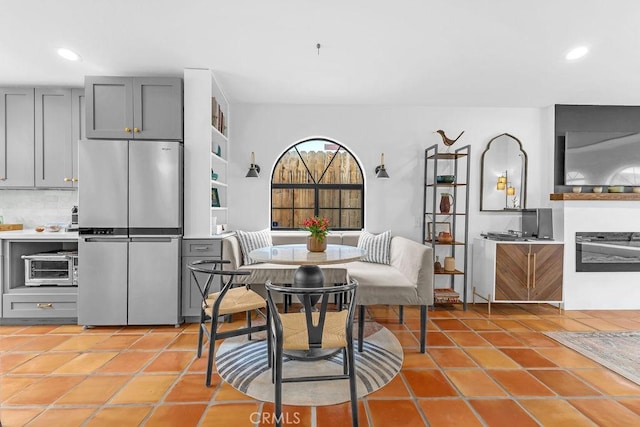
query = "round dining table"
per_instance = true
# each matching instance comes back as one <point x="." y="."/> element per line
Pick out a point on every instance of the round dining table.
<point x="308" y="274"/>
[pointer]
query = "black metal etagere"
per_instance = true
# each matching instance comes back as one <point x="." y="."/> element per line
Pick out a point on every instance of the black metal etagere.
<point x="436" y="163"/>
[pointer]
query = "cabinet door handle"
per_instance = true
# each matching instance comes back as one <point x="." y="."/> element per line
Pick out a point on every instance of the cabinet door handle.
<point x="127" y="129"/>
<point x="42" y="305"/>
<point x="534" y="271"/>
<point x="136" y="130"/>
<point x="200" y="248"/>
<point x="74" y="179"/>
<point x="67" y="179"/>
<point x="2" y="178"/>
<point x="528" y="268"/>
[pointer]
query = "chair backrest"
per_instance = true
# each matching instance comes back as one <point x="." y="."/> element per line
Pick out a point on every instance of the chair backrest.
<point x="315" y="317"/>
<point x="213" y="268"/>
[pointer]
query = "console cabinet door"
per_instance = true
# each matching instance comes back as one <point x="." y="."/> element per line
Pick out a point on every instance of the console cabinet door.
<point x="157" y="103"/>
<point x="513" y="267"/>
<point x="53" y="138"/>
<point x="109" y="107"/>
<point x="16" y="138"/>
<point x="546" y="275"/>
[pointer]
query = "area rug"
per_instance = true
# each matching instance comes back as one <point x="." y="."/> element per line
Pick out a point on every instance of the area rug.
<point x="243" y="364"/>
<point x="618" y="351"/>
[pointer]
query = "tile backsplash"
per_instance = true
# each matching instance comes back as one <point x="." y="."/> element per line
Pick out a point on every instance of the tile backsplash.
<point x="37" y="207"/>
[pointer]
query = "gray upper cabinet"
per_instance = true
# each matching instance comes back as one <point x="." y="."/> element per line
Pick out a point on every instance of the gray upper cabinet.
<point x="134" y="107"/>
<point x="53" y="138"/>
<point x="78" y="130"/>
<point x="59" y="125"/>
<point x="16" y="138"/>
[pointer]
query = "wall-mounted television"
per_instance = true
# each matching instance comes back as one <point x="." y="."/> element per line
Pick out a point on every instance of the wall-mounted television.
<point x="602" y="158"/>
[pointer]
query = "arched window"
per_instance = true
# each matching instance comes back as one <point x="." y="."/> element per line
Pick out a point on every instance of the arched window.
<point x="317" y="177"/>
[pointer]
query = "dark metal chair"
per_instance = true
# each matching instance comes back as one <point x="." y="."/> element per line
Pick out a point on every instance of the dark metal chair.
<point x="231" y="299"/>
<point x="309" y="330"/>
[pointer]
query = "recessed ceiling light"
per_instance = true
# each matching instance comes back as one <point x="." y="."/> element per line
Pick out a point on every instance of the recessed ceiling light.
<point x="577" y="53"/>
<point x="68" y="54"/>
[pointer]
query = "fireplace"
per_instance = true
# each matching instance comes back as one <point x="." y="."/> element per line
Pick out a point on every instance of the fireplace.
<point x="600" y="251"/>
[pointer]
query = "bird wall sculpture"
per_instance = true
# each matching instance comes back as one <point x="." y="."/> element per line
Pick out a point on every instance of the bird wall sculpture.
<point x="448" y="141"/>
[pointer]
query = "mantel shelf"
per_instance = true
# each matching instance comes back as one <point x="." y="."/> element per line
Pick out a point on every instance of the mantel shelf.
<point x="595" y="196"/>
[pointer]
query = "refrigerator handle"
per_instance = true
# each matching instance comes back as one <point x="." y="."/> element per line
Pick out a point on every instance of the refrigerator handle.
<point x="106" y="239"/>
<point x="152" y="239"/>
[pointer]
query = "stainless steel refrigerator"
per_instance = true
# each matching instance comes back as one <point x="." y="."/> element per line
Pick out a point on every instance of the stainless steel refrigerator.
<point x="130" y="221"/>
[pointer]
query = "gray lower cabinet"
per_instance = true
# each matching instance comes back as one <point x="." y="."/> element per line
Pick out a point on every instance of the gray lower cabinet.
<point x="195" y="250"/>
<point x="134" y="107"/>
<point x="16" y="138"/>
<point x="41" y="305"/>
<point x="23" y="302"/>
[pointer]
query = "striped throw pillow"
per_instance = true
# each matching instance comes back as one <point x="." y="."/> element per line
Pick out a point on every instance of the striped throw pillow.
<point x="250" y="240"/>
<point x="377" y="247"/>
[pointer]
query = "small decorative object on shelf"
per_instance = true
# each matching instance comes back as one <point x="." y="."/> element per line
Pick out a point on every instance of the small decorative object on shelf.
<point x="437" y="267"/>
<point x="449" y="263"/>
<point x="215" y="198"/>
<point x="445" y="179"/>
<point x="597" y="189"/>
<point x="446" y="296"/>
<point x="577" y="189"/>
<point x="445" y="203"/>
<point x="445" y="237"/>
<point x="214" y="112"/>
<point x="318" y="227"/>
<point x="448" y="141"/>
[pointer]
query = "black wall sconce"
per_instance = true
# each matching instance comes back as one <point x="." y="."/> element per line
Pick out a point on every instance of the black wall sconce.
<point x="381" y="172"/>
<point x="254" y="169"/>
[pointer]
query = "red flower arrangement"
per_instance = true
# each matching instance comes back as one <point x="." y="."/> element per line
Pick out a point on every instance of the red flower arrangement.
<point x="317" y="226"/>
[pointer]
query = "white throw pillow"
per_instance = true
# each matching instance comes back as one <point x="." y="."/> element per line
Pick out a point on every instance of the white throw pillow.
<point x="377" y="247"/>
<point x="250" y="240"/>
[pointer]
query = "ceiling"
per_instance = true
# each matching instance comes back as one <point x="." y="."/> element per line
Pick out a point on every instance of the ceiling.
<point x="495" y="53"/>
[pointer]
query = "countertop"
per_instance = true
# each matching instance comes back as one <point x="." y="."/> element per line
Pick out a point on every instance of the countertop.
<point x="34" y="235"/>
<point x="523" y="242"/>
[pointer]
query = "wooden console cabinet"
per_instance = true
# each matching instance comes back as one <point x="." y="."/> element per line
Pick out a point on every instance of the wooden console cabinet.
<point x="517" y="272"/>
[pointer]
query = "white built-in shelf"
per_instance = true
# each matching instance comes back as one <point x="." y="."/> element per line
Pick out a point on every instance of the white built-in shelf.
<point x="202" y="137"/>
<point x="217" y="158"/>
<point x="216" y="134"/>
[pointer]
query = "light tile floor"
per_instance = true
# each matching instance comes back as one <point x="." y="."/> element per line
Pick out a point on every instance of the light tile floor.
<point x="479" y="370"/>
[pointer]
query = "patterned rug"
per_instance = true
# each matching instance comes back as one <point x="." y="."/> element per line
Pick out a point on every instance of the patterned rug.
<point x="243" y="364"/>
<point x="618" y="351"/>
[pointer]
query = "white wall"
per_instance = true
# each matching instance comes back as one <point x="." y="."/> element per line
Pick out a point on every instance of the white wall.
<point x="37" y="207"/>
<point x="402" y="133"/>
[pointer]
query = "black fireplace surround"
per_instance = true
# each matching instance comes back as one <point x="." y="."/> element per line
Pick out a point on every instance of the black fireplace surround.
<point x="599" y="251"/>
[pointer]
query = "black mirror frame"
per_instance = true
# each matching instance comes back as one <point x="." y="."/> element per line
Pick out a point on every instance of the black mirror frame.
<point x="523" y="197"/>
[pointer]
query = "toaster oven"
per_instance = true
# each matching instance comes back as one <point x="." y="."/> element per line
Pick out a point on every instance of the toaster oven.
<point x="58" y="268"/>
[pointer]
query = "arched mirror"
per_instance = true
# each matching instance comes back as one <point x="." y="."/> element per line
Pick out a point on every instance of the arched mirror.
<point x="503" y="175"/>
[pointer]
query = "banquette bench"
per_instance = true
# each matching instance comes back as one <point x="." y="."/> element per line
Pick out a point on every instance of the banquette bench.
<point x="406" y="280"/>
